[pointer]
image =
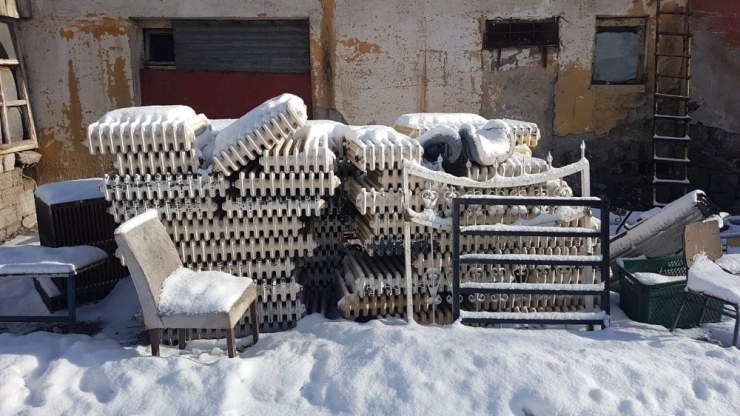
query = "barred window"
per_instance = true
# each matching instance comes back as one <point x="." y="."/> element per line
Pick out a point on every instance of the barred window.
<point x="520" y="33"/>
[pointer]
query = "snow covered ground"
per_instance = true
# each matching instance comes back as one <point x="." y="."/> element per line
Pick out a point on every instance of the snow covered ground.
<point x="380" y="367"/>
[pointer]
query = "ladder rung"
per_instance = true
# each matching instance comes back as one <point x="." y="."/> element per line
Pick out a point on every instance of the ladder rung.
<point x="658" y="181"/>
<point x="670" y="160"/>
<point x="682" y="34"/>
<point x="16" y="103"/>
<point x="658" y="137"/>
<point x="671" y="117"/>
<point x="675" y="13"/>
<point x="673" y="76"/>
<point x="671" y="55"/>
<point x="672" y="97"/>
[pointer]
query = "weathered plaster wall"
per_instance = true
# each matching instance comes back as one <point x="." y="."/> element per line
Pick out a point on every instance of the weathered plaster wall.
<point x="371" y="61"/>
<point x="715" y="152"/>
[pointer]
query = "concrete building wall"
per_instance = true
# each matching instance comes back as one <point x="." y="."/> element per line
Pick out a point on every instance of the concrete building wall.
<point x="372" y="61"/>
<point x="716" y="107"/>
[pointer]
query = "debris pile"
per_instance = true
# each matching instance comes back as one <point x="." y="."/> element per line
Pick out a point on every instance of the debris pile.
<point x="236" y="198"/>
<point x="260" y="197"/>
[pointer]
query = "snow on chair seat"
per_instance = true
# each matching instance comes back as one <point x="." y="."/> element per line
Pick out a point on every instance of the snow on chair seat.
<point x="145" y="129"/>
<point x="186" y="292"/>
<point x="48" y="262"/>
<point x="707" y="278"/>
<point x="263" y="127"/>
<point x="52" y="262"/>
<point x="174" y="297"/>
<point x="729" y="263"/>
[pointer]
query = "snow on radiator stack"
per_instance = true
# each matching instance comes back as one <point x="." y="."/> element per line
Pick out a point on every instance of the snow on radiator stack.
<point x="280" y="180"/>
<point x="367" y="283"/>
<point x="373" y="283"/>
<point x="268" y="125"/>
<point x="156" y="162"/>
<point x="322" y="141"/>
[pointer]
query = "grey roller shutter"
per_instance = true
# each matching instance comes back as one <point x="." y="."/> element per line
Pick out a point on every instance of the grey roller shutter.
<point x="280" y="46"/>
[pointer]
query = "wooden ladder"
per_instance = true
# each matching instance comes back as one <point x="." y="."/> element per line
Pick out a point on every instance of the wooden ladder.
<point x="671" y="94"/>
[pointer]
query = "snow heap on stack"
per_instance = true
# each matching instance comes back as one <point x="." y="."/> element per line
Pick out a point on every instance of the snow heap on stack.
<point x="373" y="283"/>
<point x="156" y="163"/>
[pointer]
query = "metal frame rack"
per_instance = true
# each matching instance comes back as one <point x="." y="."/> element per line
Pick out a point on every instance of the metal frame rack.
<point x="545" y="318"/>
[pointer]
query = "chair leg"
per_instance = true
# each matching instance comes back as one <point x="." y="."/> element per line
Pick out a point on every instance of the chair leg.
<point x="680" y="310"/>
<point x="255" y="323"/>
<point x="182" y="335"/>
<point x="231" y="342"/>
<point x="737" y="325"/>
<point x="703" y="310"/>
<point x="155" y="336"/>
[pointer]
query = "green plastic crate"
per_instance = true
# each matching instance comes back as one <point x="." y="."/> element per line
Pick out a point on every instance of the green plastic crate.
<point x="659" y="304"/>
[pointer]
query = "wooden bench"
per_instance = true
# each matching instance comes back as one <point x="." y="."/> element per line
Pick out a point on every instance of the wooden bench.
<point x="46" y="262"/>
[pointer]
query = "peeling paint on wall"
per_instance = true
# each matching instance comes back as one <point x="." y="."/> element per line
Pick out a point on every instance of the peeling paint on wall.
<point x="119" y="90"/>
<point x="370" y="62"/>
<point x="323" y="54"/>
<point x="359" y="50"/>
<point x="91" y="75"/>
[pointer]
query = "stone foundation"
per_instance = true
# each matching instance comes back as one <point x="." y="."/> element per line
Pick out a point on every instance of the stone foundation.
<point x="17" y="211"/>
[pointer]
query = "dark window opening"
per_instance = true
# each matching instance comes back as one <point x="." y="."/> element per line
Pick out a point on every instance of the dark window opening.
<point x="520" y="33"/>
<point x="619" y="51"/>
<point x="160" y="47"/>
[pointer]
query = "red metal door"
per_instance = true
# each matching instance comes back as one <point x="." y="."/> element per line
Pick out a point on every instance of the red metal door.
<point x="220" y="94"/>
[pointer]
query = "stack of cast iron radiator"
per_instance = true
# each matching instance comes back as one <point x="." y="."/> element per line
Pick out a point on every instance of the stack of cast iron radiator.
<point x="372" y="282"/>
<point x="270" y="207"/>
<point x="249" y="216"/>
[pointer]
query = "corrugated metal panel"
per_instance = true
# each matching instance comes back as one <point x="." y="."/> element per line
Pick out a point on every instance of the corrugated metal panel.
<point x="277" y="46"/>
